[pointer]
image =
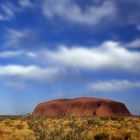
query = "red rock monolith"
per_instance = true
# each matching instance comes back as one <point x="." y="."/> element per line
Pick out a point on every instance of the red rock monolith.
<point x="81" y="107"/>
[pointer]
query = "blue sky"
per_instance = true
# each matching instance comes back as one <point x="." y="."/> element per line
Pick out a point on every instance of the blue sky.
<point x="68" y="48"/>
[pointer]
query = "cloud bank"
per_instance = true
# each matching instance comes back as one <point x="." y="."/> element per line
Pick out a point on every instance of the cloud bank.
<point x="109" y="55"/>
<point x="18" y="53"/>
<point x="69" y="10"/>
<point x="112" y="85"/>
<point x="31" y="72"/>
<point x="94" y="13"/>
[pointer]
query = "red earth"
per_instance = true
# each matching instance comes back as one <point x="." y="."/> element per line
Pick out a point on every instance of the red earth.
<point x="81" y="107"/>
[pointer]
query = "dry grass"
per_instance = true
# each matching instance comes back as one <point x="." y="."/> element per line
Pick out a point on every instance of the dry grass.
<point x="43" y="128"/>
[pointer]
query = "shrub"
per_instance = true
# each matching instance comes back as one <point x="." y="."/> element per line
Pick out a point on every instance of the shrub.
<point x="101" y="136"/>
<point x="126" y="136"/>
<point x="93" y="121"/>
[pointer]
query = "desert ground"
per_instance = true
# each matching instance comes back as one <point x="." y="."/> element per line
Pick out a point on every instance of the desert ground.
<point x="29" y="127"/>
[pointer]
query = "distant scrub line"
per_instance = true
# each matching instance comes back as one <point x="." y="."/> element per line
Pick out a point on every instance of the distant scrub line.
<point x="31" y="127"/>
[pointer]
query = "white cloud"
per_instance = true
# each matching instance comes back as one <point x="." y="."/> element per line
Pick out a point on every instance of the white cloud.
<point x="138" y="27"/>
<point x="109" y="55"/>
<point x="95" y="12"/>
<point x="31" y="54"/>
<point x="28" y="72"/>
<point x="25" y="3"/>
<point x="16" y="38"/>
<point x="112" y="85"/>
<point x="8" y="11"/>
<point x="16" y="85"/>
<point x="13" y="54"/>
<point x="134" y="44"/>
<point x="10" y="54"/>
<point x="69" y="10"/>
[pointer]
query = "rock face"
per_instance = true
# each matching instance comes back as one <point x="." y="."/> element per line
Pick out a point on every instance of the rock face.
<point x="81" y="107"/>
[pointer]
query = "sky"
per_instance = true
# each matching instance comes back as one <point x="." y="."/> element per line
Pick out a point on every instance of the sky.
<point x="68" y="48"/>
